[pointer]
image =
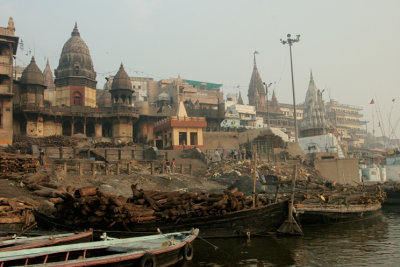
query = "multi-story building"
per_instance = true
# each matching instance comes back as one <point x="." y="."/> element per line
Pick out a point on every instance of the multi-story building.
<point x="348" y="121"/>
<point x="8" y="48"/>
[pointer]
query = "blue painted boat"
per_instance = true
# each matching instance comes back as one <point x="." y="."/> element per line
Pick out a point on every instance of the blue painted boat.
<point x="153" y="250"/>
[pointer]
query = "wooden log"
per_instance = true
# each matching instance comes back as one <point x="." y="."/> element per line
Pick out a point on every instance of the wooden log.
<point x="151" y="201"/>
<point x="12" y="219"/>
<point x="86" y="191"/>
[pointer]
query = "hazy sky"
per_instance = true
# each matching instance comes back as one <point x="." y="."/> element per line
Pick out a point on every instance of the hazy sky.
<point x="352" y="46"/>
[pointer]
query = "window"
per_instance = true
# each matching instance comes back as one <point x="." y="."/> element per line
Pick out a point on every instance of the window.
<point x="139" y="87"/>
<point x="77" y="99"/>
<point x="193" y="139"/>
<point x="182" y="138"/>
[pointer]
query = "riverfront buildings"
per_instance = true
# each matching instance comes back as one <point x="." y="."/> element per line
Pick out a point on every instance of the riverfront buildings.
<point x="128" y="109"/>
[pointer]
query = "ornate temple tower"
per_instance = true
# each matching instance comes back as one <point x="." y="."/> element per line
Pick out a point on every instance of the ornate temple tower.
<point x="75" y="77"/>
<point x="121" y="98"/>
<point x="50" y="92"/>
<point x="256" y="91"/>
<point x="121" y="89"/>
<point x="31" y="96"/>
<point x="314" y="120"/>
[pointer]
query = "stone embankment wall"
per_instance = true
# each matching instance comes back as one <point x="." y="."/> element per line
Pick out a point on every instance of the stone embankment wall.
<point x="340" y="170"/>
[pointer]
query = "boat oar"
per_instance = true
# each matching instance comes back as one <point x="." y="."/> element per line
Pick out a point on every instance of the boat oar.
<point x="290" y="226"/>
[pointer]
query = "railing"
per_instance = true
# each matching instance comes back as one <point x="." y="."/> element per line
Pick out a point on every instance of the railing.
<point x="93" y="168"/>
<point x="5" y="89"/>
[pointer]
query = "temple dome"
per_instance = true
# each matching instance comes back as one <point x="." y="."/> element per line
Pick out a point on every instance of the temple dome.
<point x="32" y="74"/>
<point x="75" y="58"/>
<point x="121" y="80"/>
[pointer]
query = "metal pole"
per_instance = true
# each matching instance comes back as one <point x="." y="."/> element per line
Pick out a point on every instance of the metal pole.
<point x="254" y="175"/>
<point x="294" y="96"/>
<point x="290" y="42"/>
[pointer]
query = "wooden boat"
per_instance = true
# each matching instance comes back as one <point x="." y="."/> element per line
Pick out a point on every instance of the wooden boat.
<point x="327" y="213"/>
<point x="22" y="242"/>
<point x="254" y="221"/>
<point x="153" y="250"/>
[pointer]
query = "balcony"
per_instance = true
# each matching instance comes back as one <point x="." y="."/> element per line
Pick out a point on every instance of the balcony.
<point x="5" y="89"/>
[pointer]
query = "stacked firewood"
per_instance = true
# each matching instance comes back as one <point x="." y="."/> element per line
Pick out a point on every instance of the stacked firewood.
<point x="15" y="211"/>
<point x="12" y="163"/>
<point x="89" y="206"/>
<point x="23" y="144"/>
<point x="338" y="194"/>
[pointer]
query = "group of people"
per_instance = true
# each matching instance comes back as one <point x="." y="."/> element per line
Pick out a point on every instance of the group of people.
<point x="242" y="154"/>
<point x="170" y="166"/>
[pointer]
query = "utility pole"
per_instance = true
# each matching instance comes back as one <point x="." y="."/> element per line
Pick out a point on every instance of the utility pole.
<point x="290" y="42"/>
<point x="266" y="91"/>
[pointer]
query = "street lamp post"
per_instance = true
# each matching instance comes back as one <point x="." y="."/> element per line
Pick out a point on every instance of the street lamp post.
<point x="290" y="42"/>
<point x="266" y="91"/>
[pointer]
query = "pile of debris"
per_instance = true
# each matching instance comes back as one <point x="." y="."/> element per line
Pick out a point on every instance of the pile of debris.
<point x="89" y="206"/>
<point x="13" y="211"/>
<point x="23" y="144"/>
<point x="279" y="171"/>
<point x="12" y="163"/>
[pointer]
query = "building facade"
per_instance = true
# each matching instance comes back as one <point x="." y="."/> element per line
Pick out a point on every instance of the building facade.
<point x="348" y="121"/>
<point x="8" y="48"/>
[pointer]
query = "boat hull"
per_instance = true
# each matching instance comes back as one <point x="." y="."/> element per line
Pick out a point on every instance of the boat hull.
<point x="161" y="250"/>
<point x="325" y="214"/>
<point x="393" y="198"/>
<point x="255" y="221"/>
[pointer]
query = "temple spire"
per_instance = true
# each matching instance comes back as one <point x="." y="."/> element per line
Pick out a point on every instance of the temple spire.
<point x="240" y="99"/>
<point x="75" y="31"/>
<point x="254" y="54"/>
<point x="11" y="24"/>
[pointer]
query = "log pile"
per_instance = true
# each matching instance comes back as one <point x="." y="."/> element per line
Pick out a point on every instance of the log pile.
<point x="89" y="207"/>
<point x="13" y="211"/>
<point x="12" y="163"/>
<point x="318" y="192"/>
<point x="23" y="144"/>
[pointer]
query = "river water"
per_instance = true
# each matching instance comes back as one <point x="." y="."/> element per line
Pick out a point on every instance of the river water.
<point x="371" y="242"/>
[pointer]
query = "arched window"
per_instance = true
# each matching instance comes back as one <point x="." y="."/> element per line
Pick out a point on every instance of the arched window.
<point x="77" y="99"/>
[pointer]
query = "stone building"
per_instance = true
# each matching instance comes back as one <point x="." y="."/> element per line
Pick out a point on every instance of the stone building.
<point x="348" y="121"/>
<point x="8" y="48"/>
<point x="70" y="107"/>
<point x="180" y="132"/>
<point x="75" y="76"/>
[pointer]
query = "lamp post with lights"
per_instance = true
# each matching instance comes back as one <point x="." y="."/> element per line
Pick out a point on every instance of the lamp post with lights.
<point x="290" y="42"/>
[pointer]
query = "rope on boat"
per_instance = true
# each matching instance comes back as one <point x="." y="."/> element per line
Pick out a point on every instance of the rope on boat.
<point x="214" y="246"/>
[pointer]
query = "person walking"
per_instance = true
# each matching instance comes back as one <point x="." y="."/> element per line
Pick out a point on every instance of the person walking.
<point x="173" y="165"/>
<point x="167" y="166"/>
